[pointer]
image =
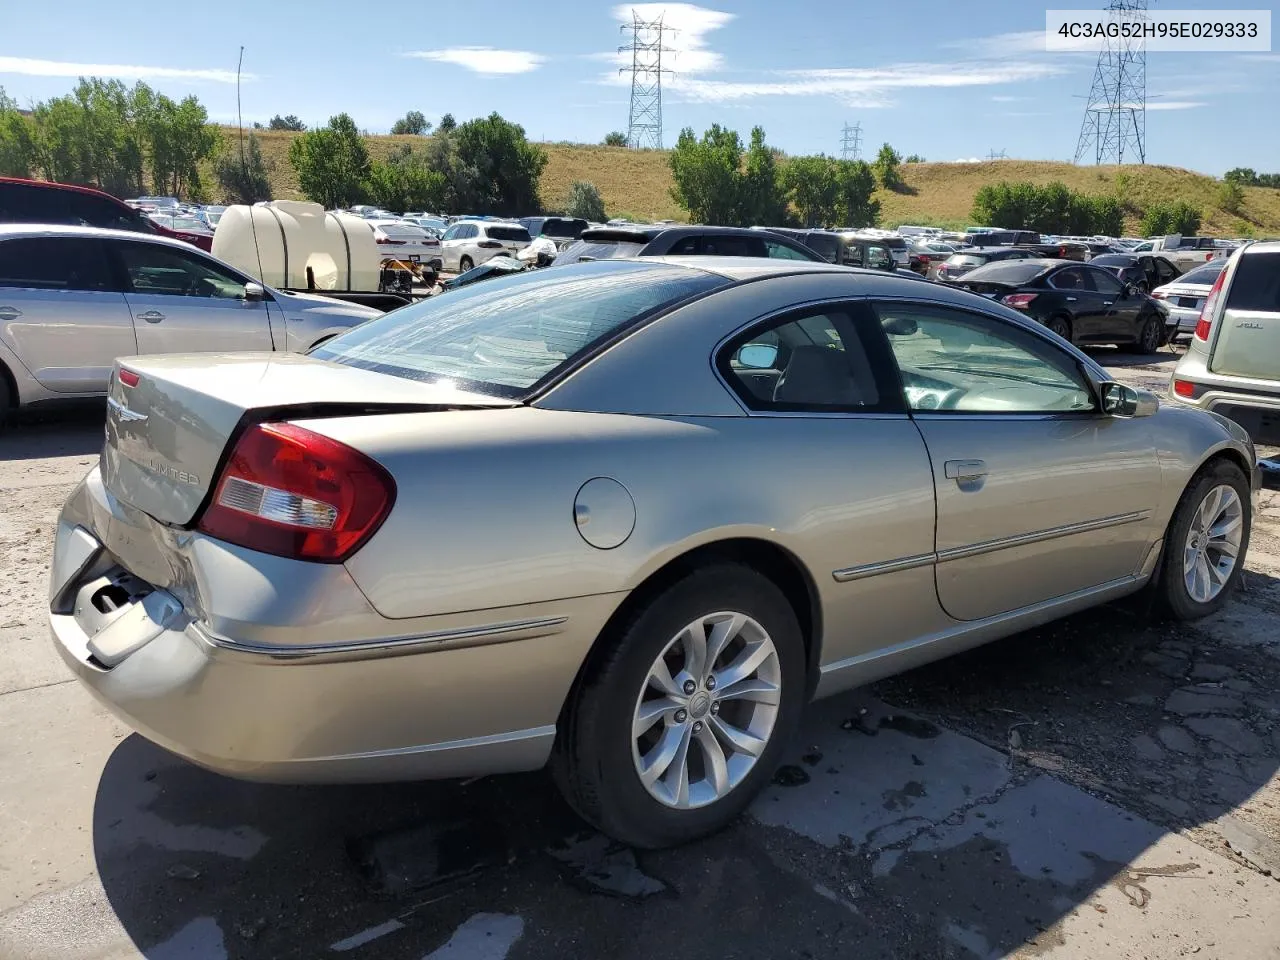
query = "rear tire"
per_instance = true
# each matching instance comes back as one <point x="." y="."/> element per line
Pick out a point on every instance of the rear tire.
<point x="1203" y="529"/>
<point x="1061" y="326"/>
<point x="603" y="743"/>
<point x="465" y="264"/>
<point x="1150" y="334"/>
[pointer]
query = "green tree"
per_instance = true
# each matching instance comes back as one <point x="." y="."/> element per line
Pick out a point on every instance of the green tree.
<point x="491" y="167"/>
<point x="615" y="139"/>
<point x="913" y="158"/>
<point x="762" y="194"/>
<point x="814" y="187"/>
<point x="243" y="177"/>
<point x="447" y="123"/>
<point x="1231" y="196"/>
<point x="17" y="140"/>
<point x="332" y="163"/>
<point x="1245" y="176"/>
<point x="584" y="201"/>
<point x="178" y="138"/>
<point x="886" y="165"/>
<point x="413" y="123"/>
<point x="406" y="181"/>
<point x="286" y="123"/>
<point x="855" y="185"/>
<point x="706" y="175"/>
<point x="1165" y="218"/>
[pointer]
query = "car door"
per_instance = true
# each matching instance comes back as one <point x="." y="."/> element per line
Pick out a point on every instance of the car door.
<point x="449" y="248"/>
<point x="879" y="257"/>
<point x="1040" y="495"/>
<point x="1080" y="298"/>
<point x="1124" y="310"/>
<point x="828" y="432"/>
<point x="62" y="312"/>
<point x="185" y="302"/>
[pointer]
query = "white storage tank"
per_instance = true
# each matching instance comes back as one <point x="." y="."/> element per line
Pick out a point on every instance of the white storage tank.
<point x="278" y="241"/>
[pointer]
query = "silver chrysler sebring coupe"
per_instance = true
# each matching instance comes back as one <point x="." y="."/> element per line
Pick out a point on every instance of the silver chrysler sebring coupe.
<point x="623" y="518"/>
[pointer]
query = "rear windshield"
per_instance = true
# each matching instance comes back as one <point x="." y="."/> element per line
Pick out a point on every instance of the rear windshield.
<point x="508" y="233"/>
<point x="505" y="335"/>
<point x="560" y="227"/>
<point x="402" y="230"/>
<point x="965" y="260"/>
<point x="1256" y="284"/>
<point x="599" y="250"/>
<point x="894" y="243"/>
<point x="1007" y="271"/>
<point x="1114" y="260"/>
<point x="1206" y="274"/>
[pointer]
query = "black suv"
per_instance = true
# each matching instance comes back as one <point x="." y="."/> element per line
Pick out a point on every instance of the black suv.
<point x="661" y="240"/>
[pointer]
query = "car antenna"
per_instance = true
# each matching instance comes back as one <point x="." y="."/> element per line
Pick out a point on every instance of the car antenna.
<point x="244" y="173"/>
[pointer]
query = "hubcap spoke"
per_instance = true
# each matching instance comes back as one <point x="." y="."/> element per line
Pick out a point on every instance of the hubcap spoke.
<point x="1213" y="544"/>
<point x="676" y="779"/>
<point x="714" y="761"/>
<point x="721" y="633"/>
<point x="659" y="759"/>
<point x="694" y="641"/>
<point x="650" y="712"/>
<point x="745" y="665"/>
<point x="660" y="679"/>
<point x="739" y="739"/>
<point x="752" y="688"/>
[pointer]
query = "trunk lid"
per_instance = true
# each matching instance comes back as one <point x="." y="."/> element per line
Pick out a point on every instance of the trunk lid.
<point x="988" y="288"/>
<point x="166" y="435"/>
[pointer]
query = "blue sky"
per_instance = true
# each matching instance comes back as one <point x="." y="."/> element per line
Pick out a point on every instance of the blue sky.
<point x="943" y="79"/>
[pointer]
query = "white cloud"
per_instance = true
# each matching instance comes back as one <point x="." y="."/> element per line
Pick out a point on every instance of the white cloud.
<point x="684" y="33"/>
<point x="1171" y="104"/>
<point x="1023" y="41"/>
<point x="865" y="86"/>
<point x="485" y="60"/>
<point x="1007" y="99"/>
<point x="113" y="71"/>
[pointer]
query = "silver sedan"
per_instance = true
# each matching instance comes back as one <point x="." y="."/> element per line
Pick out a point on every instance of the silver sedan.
<point x="621" y="517"/>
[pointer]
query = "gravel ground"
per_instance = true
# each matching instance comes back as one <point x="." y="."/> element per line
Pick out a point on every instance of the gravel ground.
<point x="1100" y="787"/>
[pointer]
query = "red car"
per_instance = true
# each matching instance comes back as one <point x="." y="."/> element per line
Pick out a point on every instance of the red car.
<point x="39" y="201"/>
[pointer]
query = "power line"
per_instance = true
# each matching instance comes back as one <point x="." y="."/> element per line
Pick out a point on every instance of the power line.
<point x="644" y="124"/>
<point x="1002" y="155"/>
<point x="851" y="142"/>
<point x="1114" y="128"/>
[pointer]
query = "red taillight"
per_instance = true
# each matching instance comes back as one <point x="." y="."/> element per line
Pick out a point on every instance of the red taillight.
<point x="1159" y="295"/>
<point x="1184" y="388"/>
<point x="1019" y="301"/>
<point x="489" y="244"/>
<point x="128" y="377"/>
<point x="294" y="493"/>
<point x="1205" y="323"/>
<point x="387" y="241"/>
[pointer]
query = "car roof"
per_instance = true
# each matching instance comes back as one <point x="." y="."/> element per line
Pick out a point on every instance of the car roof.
<point x="51" y="185"/>
<point x="11" y="231"/>
<point x="650" y="231"/>
<point x="1263" y="246"/>
<point x="755" y="268"/>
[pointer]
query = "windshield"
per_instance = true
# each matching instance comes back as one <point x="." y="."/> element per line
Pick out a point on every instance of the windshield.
<point x="965" y="260"/>
<point x="1007" y="271"/>
<point x="1206" y="274"/>
<point x="505" y="335"/>
<point x="1114" y="260"/>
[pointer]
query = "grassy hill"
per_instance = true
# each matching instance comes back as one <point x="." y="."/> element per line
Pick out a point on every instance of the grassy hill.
<point x="637" y="184"/>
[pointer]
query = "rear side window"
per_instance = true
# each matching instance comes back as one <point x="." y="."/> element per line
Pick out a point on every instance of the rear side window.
<point x="53" y="263"/>
<point x="1206" y="274"/>
<point x="20" y="203"/>
<point x="894" y="243"/>
<point x="780" y="251"/>
<point x="598" y="250"/>
<point x="825" y="245"/>
<point x="715" y="246"/>
<point x="509" y="233"/>
<point x="1256" y="284"/>
<point x="506" y="335"/>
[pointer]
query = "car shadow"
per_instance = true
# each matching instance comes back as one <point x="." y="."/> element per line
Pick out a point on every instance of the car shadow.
<point x="61" y="430"/>
<point x="908" y="819"/>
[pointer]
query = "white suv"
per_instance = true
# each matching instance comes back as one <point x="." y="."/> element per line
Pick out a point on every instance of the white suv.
<point x="469" y="243"/>
<point x="1233" y="364"/>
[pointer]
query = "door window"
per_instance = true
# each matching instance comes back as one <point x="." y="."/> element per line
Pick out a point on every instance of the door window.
<point x="157" y="269"/>
<point x="451" y="234"/>
<point x="1104" y="282"/>
<point x="54" y="263"/>
<point x="780" y="251"/>
<point x="1165" y="271"/>
<point x="878" y="257"/>
<point x="1073" y="278"/>
<point x="815" y="361"/>
<point x="952" y="361"/>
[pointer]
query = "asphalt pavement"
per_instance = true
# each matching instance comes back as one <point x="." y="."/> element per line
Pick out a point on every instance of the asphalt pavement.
<point x="1101" y="787"/>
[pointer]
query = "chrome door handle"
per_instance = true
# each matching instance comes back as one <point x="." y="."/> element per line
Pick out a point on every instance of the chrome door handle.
<point x="1071" y="299"/>
<point x="151" y="316"/>
<point x="10" y="313"/>
<point x="964" y="469"/>
<point x="1107" y="303"/>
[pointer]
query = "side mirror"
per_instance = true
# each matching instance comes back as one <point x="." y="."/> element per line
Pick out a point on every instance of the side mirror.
<point x="758" y="356"/>
<point x="1124" y="402"/>
<point x="254" y="292"/>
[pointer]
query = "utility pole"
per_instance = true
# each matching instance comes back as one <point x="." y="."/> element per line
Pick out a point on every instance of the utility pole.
<point x="1114" y="128"/>
<point x="644" y="124"/>
<point x="1002" y="155"/>
<point x="851" y="142"/>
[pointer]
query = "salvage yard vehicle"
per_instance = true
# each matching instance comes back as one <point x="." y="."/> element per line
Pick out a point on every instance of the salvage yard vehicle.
<point x="621" y="242"/>
<point x="1233" y="364"/>
<point x="469" y="243"/>
<point x="958" y="264"/>
<point x="1145" y="271"/>
<point x="1080" y="303"/>
<point x="625" y="517"/>
<point x="1184" y="297"/>
<point x="72" y="299"/>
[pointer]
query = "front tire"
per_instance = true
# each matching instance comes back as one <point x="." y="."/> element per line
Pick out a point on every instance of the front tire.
<point x="680" y="718"/>
<point x="1206" y="543"/>
<point x="465" y="264"/>
<point x="1149" y="336"/>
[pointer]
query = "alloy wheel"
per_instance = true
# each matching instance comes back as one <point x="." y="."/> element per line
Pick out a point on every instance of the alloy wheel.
<point x="1213" y="543"/>
<point x="706" y="710"/>
<point x="1150" y="342"/>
